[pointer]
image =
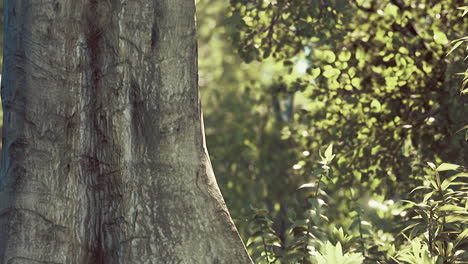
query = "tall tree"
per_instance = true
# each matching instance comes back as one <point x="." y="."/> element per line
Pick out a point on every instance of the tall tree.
<point x="104" y="159"/>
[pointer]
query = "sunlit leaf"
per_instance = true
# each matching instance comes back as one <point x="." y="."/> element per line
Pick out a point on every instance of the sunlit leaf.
<point x="329" y="151"/>
<point x="432" y="165"/>
<point x="440" y="38"/>
<point x="447" y="166"/>
<point x="455" y="46"/>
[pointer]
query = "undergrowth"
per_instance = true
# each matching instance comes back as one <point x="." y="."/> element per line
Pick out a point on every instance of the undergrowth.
<point x="429" y="226"/>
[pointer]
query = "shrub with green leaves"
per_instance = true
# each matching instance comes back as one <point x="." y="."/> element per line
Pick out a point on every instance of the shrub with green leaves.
<point x="440" y="218"/>
<point x="263" y="243"/>
<point x="417" y="252"/>
<point x="333" y="254"/>
<point x="436" y="230"/>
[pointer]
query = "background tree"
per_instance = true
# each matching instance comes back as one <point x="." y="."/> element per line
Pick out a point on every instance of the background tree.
<point x="104" y="159"/>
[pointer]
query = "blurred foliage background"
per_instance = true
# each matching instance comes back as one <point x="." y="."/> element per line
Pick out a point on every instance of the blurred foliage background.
<point x="325" y="120"/>
<point x="283" y="79"/>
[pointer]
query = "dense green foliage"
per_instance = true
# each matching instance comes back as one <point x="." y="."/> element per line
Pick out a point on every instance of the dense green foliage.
<point x="372" y="77"/>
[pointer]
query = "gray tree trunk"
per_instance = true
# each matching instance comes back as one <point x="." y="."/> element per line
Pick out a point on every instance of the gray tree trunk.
<point x="104" y="158"/>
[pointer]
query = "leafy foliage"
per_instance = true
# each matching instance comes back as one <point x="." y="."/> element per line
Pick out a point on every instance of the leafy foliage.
<point x="417" y="253"/>
<point x="264" y="241"/>
<point x="437" y="227"/>
<point x="376" y="81"/>
<point x="374" y="78"/>
<point x="441" y="217"/>
<point x="334" y="255"/>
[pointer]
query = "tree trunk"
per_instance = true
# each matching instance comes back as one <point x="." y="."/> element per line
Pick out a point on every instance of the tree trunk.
<point x="104" y="159"/>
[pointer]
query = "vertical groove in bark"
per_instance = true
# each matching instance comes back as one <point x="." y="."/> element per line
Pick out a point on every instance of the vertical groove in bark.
<point x="94" y="136"/>
<point x="104" y="158"/>
<point x="100" y="164"/>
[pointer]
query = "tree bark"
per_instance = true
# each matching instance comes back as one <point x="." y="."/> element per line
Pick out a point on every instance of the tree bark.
<point x="103" y="157"/>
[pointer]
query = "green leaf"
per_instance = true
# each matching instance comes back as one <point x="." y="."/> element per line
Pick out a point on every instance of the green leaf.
<point x="457" y="44"/>
<point x="432" y="165"/>
<point x="463" y="128"/>
<point x="450" y="180"/>
<point x="329" y="56"/>
<point x="462" y="236"/>
<point x="465" y="10"/>
<point x="307" y="185"/>
<point x="427" y="196"/>
<point x="440" y="38"/>
<point x="411" y="226"/>
<point x="447" y="166"/>
<point x="461" y="175"/>
<point x="356" y="82"/>
<point x="344" y="56"/>
<point x="376" y="104"/>
<point x="419" y="187"/>
<point x="391" y="10"/>
<point x="330" y="72"/>
<point x="446" y="183"/>
<point x="314" y="73"/>
<point x="451" y="207"/>
<point x="329" y="151"/>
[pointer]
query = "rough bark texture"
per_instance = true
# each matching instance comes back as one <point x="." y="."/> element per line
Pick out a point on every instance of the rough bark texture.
<point x="104" y="158"/>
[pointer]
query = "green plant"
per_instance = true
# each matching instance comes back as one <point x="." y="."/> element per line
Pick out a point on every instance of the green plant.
<point x="417" y="252"/>
<point x="314" y="216"/>
<point x="440" y="219"/>
<point x="330" y="254"/>
<point x="457" y="43"/>
<point x="312" y="238"/>
<point x="263" y="243"/>
<point x="305" y="234"/>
